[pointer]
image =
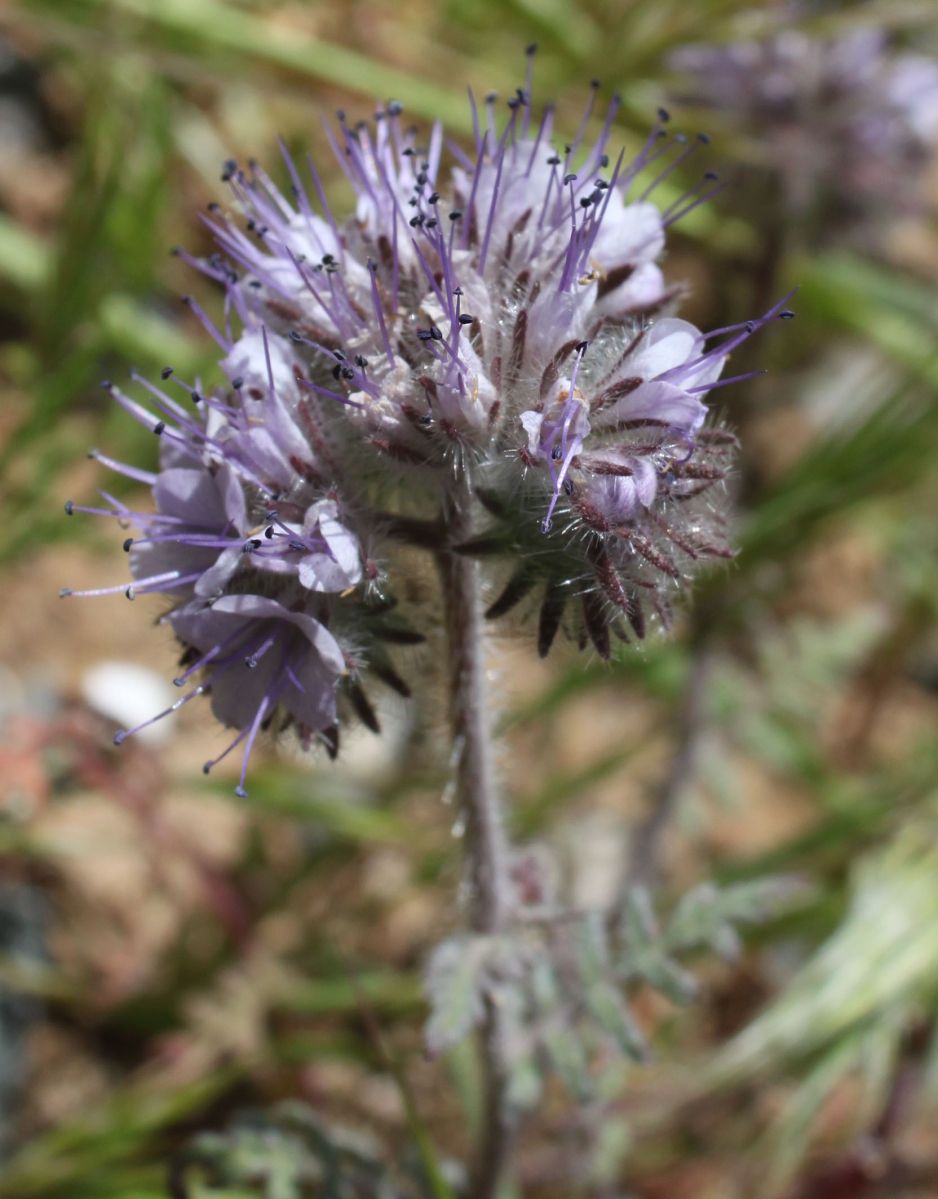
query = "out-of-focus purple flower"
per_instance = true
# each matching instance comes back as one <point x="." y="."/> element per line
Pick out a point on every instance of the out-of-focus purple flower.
<point x="848" y="124"/>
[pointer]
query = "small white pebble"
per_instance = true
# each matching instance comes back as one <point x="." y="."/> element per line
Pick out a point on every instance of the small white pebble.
<point x="129" y="694"/>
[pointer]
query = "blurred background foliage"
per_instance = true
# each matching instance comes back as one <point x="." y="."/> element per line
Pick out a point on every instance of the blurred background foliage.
<point x="173" y="959"/>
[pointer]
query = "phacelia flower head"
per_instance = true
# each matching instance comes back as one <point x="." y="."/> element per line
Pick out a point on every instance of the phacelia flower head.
<point x="499" y="319"/>
<point x="506" y="318"/>
<point x="273" y="597"/>
<point x="848" y="124"/>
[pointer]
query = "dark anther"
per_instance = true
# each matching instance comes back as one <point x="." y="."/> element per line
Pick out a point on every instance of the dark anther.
<point x="395" y="108"/>
<point x="568" y="487"/>
<point x="595" y="84"/>
<point x="238" y="383"/>
<point x="514" y="103"/>
<point x="457" y="290"/>
<point x="213" y="206"/>
<point x="295" y="336"/>
<point x="601" y="185"/>
<point x="435" y="333"/>
<point x="336" y="371"/>
<point x="750" y="326"/>
<point x="556" y="453"/>
<point x="415" y="221"/>
<point x="604" y="161"/>
<point x="250" y="224"/>
<point x="166" y="372"/>
<point x="229" y="167"/>
<point x="69" y="507"/>
<point x="455" y="215"/>
<point x="465" y="318"/>
<point x="412" y="202"/>
<point x="159" y="427"/>
<point x="408" y="151"/>
<point x="554" y="160"/>
<point x="107" y="384"/>
<point x="569" y="178"/>
<point x="361" y="361"/>
<point x="195" y="397"/>
<point x="586" y="201"/>
<point x="128" y="542"/>
<point x="269" y="532"/>
<point x="64" y="592"/>
<point x="432" y="223"/>
<point x="328" y="259"/>
<point x="347" y="372"/>
<point x="340" y="114"/>
<point x="422" y="178"/>
<point x="424" y="335"/>
<point x="581" y="347"/>
<point x="704" y="139"/>
<point x="531" y="49"/>
<point x="433" y="198"/>
<point x="664" y="115"/>
<point x="711" y="176"/>
<point x="130" y="593"/>
<point x="786" y="315"/>
<point x="491" y="97"/>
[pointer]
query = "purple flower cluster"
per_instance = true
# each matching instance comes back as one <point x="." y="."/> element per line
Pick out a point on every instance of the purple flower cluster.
<point x="503" y="320"/>
<point x="251" y="543"/>
<point x="844" y="121"/>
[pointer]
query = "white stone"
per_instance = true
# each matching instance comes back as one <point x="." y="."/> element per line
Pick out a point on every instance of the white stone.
<point x="129" y="694"/>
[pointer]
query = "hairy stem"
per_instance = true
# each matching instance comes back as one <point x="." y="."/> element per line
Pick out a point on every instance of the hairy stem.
<point x="487" y="846"/>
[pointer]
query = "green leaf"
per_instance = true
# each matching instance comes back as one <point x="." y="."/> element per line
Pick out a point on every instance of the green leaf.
<point x="642" y="954"/>
<point x="456" y="979"/>
<point x="600" y="994"/>
<point x="705" y="916"/>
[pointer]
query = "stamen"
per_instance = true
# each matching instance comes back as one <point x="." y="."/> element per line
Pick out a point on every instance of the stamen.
<point x="122" y="734"/>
